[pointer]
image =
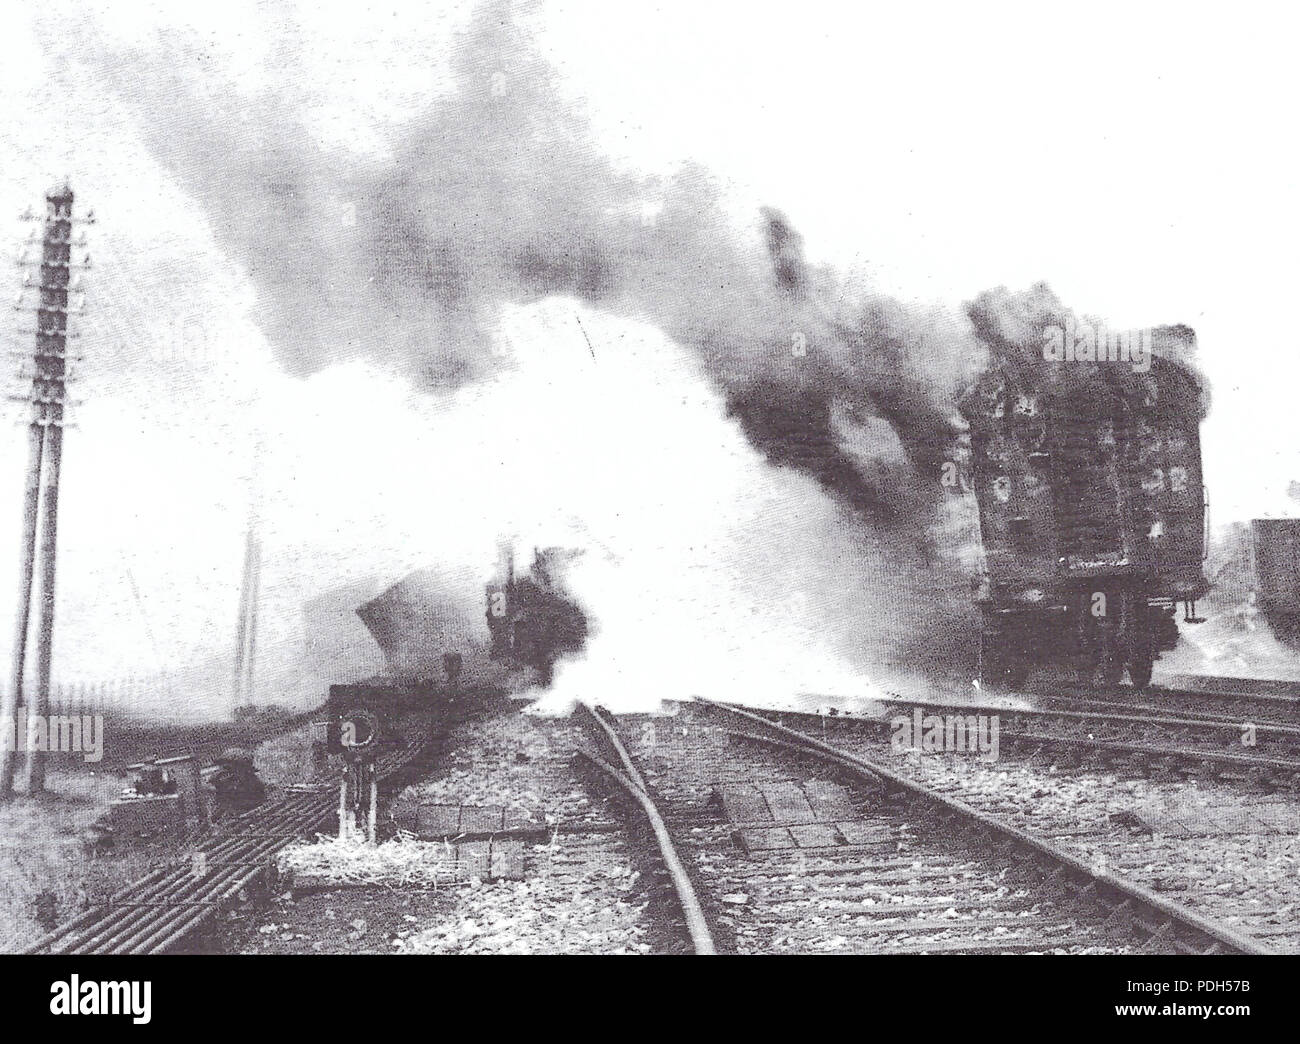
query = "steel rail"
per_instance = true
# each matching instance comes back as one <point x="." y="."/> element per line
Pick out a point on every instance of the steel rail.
<point x="1174" y="915"/>
<point x="631" y="780"/>
<point x="1222" y="723"/>
<point x="1222" y="759"/>
<point x="1154" y="709"/>
<point x="156" y="912"/>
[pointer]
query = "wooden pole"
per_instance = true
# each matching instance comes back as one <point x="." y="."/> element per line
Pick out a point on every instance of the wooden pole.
<point x="13" y="696"/>
<point x="41" y="500"/>
<point x="36" y="759"/>
<point x="254" y="597"/>
<point x="239" y="675"/>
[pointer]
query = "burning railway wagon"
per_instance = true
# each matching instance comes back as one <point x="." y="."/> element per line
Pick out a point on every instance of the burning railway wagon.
<point x="1087" y="475"/>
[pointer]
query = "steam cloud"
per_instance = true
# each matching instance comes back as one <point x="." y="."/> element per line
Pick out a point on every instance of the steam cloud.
<point x="495" y="197"/>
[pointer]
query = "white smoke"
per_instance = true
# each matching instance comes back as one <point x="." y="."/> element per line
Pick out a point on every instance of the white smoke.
<point x="693" y="546"/>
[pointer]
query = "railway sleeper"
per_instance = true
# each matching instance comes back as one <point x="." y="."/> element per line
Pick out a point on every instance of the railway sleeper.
<point x="891" y="910"/>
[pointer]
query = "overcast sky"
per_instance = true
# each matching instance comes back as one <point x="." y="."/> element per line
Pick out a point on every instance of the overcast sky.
<point x="1140" y="158"/>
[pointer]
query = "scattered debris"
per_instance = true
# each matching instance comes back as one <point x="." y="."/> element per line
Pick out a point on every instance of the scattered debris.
<point x="401" y="862"/>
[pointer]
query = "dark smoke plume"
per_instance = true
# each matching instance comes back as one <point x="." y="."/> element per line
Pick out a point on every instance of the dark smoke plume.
<point x="496" y="195"/>
<point x="1014" y="327"/>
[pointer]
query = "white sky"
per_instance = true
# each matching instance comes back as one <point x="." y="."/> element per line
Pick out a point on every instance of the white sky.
<point x="1142" y="160"/>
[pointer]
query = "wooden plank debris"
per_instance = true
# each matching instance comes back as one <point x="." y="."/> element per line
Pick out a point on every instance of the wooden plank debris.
<point x="473" y="859"/>
<point x="765" y="840"/>
<point x="829" y="801"/>
<point x="788" y="803"/>
<point x="856" y="832"/>
<point x="815" y="835"/>
<point x="438" y="821"/>
<point x="744" y="804"/>
<point x="480" y="819"/>
<point x="507" y="861"/>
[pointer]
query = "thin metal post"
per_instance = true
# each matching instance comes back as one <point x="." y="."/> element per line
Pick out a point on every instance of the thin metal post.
<point x="343" y="805"/>
<point x="374" y="800"/>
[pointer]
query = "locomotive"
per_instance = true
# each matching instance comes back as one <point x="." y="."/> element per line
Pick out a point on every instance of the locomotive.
<point x="1087" y="477"/>
<point x="532" y="620"/>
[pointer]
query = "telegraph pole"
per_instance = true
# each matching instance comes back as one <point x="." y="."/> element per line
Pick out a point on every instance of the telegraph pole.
<point x="13" y="696"/>
<point x="47" y="396"/>
<point x="245" y="672"/>
<point x="246" y="629"/>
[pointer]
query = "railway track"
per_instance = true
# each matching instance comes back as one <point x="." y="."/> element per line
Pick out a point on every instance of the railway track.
<point x="1225" y="685"/>
<point x="1145" y="739"/>
<point x="618" y="765"/>
<point x="1224" y="849"/>
<point x="778" y="842"/>
<point x="156" y="913"/>
<point x="1231" y="705"/>
<point x="762" y="838"/>
<point x="1158" y="703"/>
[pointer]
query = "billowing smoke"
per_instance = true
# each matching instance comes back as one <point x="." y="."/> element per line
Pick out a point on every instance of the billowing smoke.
<point x="409" y="254"/>
<point x="1019" y="329"/>
<point x="495" y="195"/>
